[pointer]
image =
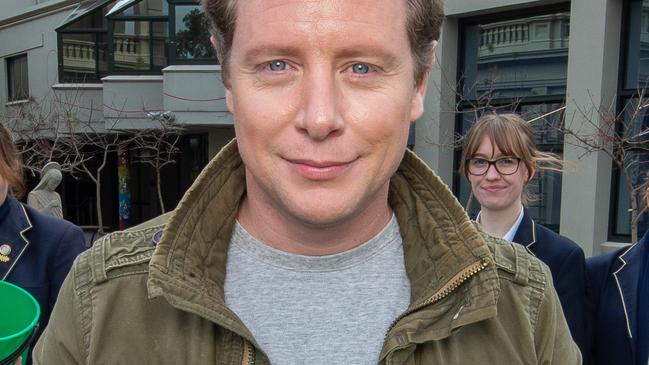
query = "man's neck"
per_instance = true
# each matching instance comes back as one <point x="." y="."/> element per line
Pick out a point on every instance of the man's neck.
<point x="291" y="235"/>
<point x="498" y="222"/>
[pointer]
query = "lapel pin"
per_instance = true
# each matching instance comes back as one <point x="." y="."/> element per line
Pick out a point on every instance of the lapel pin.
<point x="5" y="250"/>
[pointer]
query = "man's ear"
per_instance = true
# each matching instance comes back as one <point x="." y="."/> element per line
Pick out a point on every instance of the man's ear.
<point x="431" y="62"/>
<point x="228" y="100"/>
<point x="215" y="44"/>
<point x="228" y="94"/>
<point x="417" y="107"/>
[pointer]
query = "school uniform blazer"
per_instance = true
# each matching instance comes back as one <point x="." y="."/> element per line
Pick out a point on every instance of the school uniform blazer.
<point x="568" y="267"/>
<point x="42" y="249"/>
<point x="614" y="280"/>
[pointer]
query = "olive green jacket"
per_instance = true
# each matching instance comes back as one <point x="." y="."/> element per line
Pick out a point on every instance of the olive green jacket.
<point x="475" y="299"/>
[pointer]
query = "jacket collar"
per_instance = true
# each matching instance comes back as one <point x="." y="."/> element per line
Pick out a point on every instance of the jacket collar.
<point x="526" y="233"/>
<point x="16" y="223"/>
<point x="627" y="273"/>
<point x="188" y="265"/>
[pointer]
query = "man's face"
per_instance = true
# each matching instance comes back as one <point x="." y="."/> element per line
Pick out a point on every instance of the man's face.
<point x="322" y="94"/>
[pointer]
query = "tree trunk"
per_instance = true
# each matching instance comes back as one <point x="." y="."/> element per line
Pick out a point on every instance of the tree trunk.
<point x="159" y="187"/>
<point x="100" y="217"/>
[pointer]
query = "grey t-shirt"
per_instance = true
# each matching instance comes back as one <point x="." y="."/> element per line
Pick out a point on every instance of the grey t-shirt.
<point x="333" y="309"/>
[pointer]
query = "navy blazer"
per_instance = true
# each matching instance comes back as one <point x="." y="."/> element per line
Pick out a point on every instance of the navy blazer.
<point x="568" y="267"/>
<point x="614" y="298"/>
<point x="42" y="249"/>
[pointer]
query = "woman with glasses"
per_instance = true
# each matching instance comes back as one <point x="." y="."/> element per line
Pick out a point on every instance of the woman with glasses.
<point x="500" y="159"/>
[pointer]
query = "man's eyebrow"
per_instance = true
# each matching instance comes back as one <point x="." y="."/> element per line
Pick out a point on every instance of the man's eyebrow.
<point x="387" y="58"/>
<point x="279" y="51"/>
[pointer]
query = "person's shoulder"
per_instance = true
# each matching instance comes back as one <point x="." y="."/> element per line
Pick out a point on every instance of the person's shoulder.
<point x="515" y="263"/>
<point x="555" y="244"/>
<point x="121" y="253"/>
<point x="602" y="264"/>
<point x="45" y="228"/>
<point x="41" y="220"/>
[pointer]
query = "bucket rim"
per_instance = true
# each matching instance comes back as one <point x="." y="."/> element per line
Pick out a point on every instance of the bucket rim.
<point x="36" y="317"/>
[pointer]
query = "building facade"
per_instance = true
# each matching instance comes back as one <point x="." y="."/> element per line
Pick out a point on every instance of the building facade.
<point x="578" y="62"/>
<point x="119" y="63"/>
<point x="116" y="65"/>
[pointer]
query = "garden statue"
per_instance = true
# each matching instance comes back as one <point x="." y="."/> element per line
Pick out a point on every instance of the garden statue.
<point x="44" y="196"/>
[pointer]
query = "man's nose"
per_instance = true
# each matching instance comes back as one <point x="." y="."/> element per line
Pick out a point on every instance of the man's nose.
<point x="320" y="116"/>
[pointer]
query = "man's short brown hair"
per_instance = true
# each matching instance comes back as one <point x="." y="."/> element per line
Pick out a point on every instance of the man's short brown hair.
<point x="423" y="25"/>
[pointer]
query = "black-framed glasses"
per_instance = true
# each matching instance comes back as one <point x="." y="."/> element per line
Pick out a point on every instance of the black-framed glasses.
<point x="504" y="165"/>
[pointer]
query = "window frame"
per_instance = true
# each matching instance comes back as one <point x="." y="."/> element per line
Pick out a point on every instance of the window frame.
<point x="164" y="19"/>
<point x="173" y="58"/>
<point x="152" y="70"/>
<point x="60" y="31"/>
<point x="108" y="32"/>
<point x="11" y="94"/>
<point x="623" y="96"/>
<point x="467" y="104"/>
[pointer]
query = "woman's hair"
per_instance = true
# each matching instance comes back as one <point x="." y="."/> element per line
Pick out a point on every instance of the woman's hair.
<point x="10" y="164"/>
<point x="514" y="137"/>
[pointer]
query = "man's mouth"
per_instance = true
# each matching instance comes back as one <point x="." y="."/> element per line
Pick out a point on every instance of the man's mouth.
<point x="320" y="170"/>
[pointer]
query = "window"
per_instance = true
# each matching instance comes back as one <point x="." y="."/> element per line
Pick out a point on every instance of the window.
<point x="636" y="118"/>
<point x="83" y="45"/>
<point x="84" y="56"/>
<point x="140" y="8"/>
<point x="519" y="64"/>
<point x="191" y="30"/>
<point x="139" y="45"/>
<point x="140" y="33"/>
<point x="637" y="45"/>
<point x="634" y="84"/>
<point x="105" y="37"/>
<point x="529" y="63"/>
<point x="17" y="80"/>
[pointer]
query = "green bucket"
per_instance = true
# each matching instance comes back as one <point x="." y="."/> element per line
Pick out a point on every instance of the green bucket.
<point x="20" y="314"/>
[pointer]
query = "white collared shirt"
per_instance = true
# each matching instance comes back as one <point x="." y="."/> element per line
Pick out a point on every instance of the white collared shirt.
<point x="509" y="236"/>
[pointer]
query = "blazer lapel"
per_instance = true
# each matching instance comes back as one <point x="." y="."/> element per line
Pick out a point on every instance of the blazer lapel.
<point x="626" y="277"/>
<point x="13" y="241"/>
<point x="526" y="232"/>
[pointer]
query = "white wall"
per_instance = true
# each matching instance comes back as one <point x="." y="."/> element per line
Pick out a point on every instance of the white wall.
<point x="37" y="38"/>
<point x="593" y="60"/>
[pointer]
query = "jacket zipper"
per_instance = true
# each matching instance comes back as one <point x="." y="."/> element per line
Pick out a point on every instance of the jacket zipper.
<point x="248" y="353"/>
<point x="445" y="290"/>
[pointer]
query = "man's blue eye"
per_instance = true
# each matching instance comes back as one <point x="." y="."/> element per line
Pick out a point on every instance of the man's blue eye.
<point x="278" y="65"/>
<point x="360" y="68"/>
